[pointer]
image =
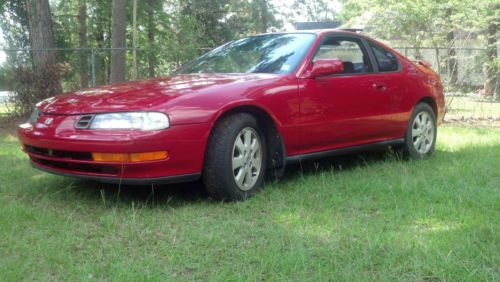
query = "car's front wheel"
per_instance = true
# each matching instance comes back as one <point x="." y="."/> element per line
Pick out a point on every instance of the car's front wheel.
<point x="421" y="134"/>
<point x="235" y="159"/>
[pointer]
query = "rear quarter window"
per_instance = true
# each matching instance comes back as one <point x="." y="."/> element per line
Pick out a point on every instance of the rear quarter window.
<point x="386" y="60"/>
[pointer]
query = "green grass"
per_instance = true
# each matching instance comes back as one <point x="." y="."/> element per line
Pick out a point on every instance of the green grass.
<point x="358" y="217"/>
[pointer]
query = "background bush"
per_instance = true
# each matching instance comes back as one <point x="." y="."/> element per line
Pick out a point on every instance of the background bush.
<point x="29" y="87"/>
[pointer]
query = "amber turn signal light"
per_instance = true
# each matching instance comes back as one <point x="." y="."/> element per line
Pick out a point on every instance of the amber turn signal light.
<point x="129" y="157"/>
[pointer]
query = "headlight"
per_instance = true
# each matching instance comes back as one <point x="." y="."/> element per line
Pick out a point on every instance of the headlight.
<point x="131" y="120"/>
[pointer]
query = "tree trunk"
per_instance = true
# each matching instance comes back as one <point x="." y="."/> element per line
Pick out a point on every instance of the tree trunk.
<point x="100" y="62"/>
<point x="491" y="82"/>
<point x="134" y="41"/>
<point x="82" y="40"/>
<point x="151" y="39"/>
<point x="118" y="41"/>
<point x="41" y="34"/>
<point x="264" y="13"/>
<point x="101" y="35"/>
<point x="452" y="59"/>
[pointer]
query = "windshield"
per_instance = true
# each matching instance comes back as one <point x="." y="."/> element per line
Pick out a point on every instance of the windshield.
<point x="270" y="53"/>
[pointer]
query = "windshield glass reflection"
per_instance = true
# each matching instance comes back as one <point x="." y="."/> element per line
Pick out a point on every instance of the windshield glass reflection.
<point x="270" y="53"/>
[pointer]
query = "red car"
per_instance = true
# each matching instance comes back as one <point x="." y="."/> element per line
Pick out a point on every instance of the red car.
<point x="240" y="111"/>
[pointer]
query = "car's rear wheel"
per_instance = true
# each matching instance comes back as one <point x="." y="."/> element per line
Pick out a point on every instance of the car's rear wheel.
<point x="421" y="134"/>
<point x="235" y="159"/>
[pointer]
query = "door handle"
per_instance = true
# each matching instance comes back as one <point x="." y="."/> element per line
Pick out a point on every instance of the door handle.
<point x="379" y="86"/>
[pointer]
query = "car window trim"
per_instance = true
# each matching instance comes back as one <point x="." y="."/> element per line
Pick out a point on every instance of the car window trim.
<point x="363" y="47"/>
<point x="400" y="66"/>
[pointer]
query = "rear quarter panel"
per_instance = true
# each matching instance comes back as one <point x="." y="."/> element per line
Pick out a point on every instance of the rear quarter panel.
<point x="421" y="82"/>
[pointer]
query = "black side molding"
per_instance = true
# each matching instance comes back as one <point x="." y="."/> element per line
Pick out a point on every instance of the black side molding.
<point x="127" y="181"/>
<point x="342" y="151"/>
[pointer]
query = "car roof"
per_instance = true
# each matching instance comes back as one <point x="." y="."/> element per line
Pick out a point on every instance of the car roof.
<point x="320" y="31"/>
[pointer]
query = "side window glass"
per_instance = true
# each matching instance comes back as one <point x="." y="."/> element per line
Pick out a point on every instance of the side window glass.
<point x="349" y="51"/>
<point x="386" y="60"/>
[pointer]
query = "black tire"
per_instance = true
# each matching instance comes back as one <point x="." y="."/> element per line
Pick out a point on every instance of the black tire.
<point x="411" y="148"/>
<point x="218" y="174"/>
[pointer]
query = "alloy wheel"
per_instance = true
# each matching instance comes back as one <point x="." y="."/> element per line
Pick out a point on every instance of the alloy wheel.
<point x="423" y="132"/>
<point x="247" y="158"/>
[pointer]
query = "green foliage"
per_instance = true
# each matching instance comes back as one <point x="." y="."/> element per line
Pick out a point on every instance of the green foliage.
<point x="314" y="10"/>
<point x="3" y="78"/>
<point x="446" y="24"/>
<point x="170" y="33"/>
<point x="14" y="23"/>
<point x="29" y="87"/>
<point x="421" y="22"/>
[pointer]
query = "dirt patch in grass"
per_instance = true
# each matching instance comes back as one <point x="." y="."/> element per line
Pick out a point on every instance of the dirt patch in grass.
<point x="470" y="121"/>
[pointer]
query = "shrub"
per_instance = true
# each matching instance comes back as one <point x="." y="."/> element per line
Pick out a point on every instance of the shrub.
<point x="29" y="87"/>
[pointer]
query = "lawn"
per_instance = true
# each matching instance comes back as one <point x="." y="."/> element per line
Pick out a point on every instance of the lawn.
<point x="471" y="107"/>
<point x="358" y="217"/>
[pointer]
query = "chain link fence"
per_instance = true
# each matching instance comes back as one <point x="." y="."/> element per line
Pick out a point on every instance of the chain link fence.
<point x="95" y="63"/>
<point x="468" y="63"/>
<point x="461" y="71"/>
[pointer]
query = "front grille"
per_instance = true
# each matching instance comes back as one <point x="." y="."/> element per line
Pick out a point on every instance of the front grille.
<point x="81" y="156"/>
<point x="77" y="167"/>
<point x="84" y="122"/>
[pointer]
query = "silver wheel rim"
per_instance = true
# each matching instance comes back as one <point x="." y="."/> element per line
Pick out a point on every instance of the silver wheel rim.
<point x="247" y="158"/>
<point x="423" y="133"/>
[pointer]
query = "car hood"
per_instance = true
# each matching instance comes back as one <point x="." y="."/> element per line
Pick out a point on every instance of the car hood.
<point x="142" y="95"/>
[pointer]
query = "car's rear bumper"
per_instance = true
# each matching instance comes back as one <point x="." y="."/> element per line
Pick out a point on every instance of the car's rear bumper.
<point x="60" y="148"/>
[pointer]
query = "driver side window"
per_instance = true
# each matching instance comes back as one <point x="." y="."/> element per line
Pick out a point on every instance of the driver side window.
<point x="349" y="51"/>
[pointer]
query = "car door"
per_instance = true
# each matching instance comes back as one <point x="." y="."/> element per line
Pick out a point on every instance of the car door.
<point x="346" y="109"/>
<point x="389" y="72"/>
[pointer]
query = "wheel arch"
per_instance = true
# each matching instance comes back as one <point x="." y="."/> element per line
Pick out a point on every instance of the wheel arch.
<point x="270" y="128"/>
<point x="430" y="101"/>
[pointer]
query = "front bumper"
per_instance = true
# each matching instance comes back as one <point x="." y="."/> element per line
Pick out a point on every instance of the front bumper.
<point x="127" y="181"/>
<point x="58" y="147"/>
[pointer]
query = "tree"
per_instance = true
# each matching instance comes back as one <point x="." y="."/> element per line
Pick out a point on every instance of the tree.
<point x="118" y="40"/>
<point x="15" y="29"/>
<point x="208" y="15"/>
<point x="41" y="34"/>
<point x="14" y="24"/>
<point x="249" y="17"/>
<point x="134" y="40"/>
<point x="82" y="39"/>
<point x="100" y="30"/>
<point x="421" y="23"/>
<point x="153" y="5"/>
<point x="492" y="66"/>
<point x="264" y="15"/>
<point x="452" y="60"/>
<point x="315" y="10"/>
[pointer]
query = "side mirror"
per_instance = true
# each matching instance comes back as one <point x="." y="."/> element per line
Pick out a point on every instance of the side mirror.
<point x="326" y="67"/>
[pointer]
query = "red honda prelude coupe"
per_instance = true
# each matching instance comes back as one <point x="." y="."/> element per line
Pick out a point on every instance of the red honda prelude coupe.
<point x="242" y="110"/>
